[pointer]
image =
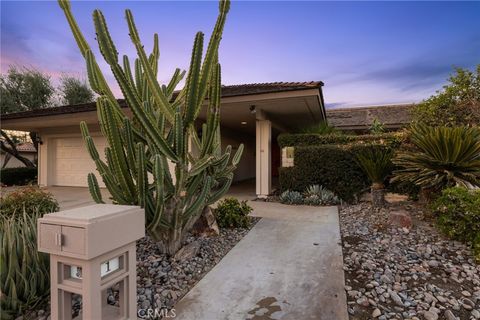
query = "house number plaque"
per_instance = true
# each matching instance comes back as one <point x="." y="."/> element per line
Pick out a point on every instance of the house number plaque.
<point x="105" y="268"/>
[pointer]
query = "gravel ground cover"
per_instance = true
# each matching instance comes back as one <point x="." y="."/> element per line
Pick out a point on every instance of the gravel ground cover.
<point x="400" y="273"/>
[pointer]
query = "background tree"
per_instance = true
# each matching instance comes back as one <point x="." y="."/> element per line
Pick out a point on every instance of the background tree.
<point x="75" y="91"/>
<point x="23" y="89"/>
<point x="458" y="103"/>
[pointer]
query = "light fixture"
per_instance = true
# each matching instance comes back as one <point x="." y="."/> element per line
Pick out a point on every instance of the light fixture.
<point x="253" y="109"/>
<point x="244" y="122"/>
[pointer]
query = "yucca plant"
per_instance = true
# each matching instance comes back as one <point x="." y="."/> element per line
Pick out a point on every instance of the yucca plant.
<point x="377" y="164"/>
<point x="24" y="276"/>
<point x="161" y="133"/>
<point x="444" y="157"/>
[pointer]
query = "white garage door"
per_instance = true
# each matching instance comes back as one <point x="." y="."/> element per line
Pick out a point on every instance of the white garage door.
<point x="72" y="162"/>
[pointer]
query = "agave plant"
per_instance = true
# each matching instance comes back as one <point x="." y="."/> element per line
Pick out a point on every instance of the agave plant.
<point x="444" y="157"/>
<point x="161" y="133"/>
<point x="24" y="276"/>
<point x="377" y="164"/>
<point x="291" y="197"/>
<point x="318" y="195"/>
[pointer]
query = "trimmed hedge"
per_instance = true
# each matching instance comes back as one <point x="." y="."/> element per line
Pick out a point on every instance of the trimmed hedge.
<point x="333" y="167"/>
<point x="306" y="139"/>
<point x="18" y="176"/>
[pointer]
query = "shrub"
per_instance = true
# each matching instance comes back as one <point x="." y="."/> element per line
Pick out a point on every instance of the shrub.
<point x="231" y="213"/>
<point x="309" y="139"/>
<point x="333" y="167"/>
<point x="18" y="176"/>
<point x="377" y="127"/>
<point x="458" y="215"/>
<point x="321" y="128"/>
<point x="456" y="105"/>
<point x="291" y="197"/>
<point x="30" y="199"/>
<point x="444" y="157"/>
<point x="24" y="278"/>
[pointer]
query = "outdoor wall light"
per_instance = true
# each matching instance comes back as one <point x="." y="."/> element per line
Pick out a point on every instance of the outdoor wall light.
<point x="38" y="140"/>
<point x="243" y="122"/>
<point x="253" y="109"/>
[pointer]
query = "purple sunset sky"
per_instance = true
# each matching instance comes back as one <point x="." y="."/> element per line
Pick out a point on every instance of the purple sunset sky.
<point x="366" y="53"/>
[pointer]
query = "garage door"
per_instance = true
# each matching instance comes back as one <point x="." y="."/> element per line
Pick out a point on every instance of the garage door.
<point x="72" y="162"/>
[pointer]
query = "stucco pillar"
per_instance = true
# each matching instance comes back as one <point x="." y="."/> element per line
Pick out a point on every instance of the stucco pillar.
<point x="263" y="158"/>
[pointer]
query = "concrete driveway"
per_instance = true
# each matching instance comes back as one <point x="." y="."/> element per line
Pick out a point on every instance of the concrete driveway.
<point x="75" y="197"/>
<point x="289" y="266"/>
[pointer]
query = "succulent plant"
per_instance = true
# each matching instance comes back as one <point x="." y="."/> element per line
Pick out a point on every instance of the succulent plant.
<point x="161" y="132"/>
<point x="318" y="195"/>
<point x="291" y="197"/>
<point x="25" y="277"/>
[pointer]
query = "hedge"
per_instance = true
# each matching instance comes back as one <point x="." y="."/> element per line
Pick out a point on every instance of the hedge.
<point x="331" y="166"/>
<point x="18" y="176"/>
<point x="308" y="139"/>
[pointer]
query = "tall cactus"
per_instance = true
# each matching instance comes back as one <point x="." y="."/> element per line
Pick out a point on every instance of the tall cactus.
<point x="156" y="159"/>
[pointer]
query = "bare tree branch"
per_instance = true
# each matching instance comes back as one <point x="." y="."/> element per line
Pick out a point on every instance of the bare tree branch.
<point x="12" y="149"/>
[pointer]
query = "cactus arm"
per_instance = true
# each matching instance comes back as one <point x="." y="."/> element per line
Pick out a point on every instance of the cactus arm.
<point x="213" y="116"/>
<point x="199" y="202"/>
<point x="139" y="80"/>
<point x="102" y="88"/>
<point x="130" y="145"/>
<point x="102" y="168"/>
<point x="238" y="155"/>
<point x="128" y="71"/>
<point x="114" y="137"/>
<point x="215" y="196"/>
<point x="158" y="173"/>
<point x="178" y="135"/>
<point x="148" y="122"/>
<point x="211" y="55"/>
<point x="176" y="78"/>
<point x="153" y="85"/>
<point x="94" y="188"/>
<point x="192" y="83"/>
<point x="194" y="183"/>
<point x="142" y="180"/>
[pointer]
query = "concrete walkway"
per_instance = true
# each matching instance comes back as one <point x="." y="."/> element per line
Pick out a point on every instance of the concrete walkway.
<point x="289" y="266"/>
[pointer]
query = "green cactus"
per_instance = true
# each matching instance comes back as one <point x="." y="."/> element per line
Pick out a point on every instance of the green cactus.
<point x="162" y="131"/>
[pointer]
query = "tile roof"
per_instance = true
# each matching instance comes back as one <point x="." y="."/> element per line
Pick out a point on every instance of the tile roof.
<point x="227" y="91"/>
<point x="26" y="147"/>
<point x="392" y="116"/>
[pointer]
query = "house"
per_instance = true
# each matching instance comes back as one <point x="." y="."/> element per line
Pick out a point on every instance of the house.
<point x="252" y="114"/>
<point x="26" y="150"/>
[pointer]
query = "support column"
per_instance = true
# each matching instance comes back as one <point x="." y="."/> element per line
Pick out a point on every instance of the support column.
<point x="263" y="158"/>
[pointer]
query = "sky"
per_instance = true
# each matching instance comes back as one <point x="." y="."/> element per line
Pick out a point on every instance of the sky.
<point x="366" y="53"/>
